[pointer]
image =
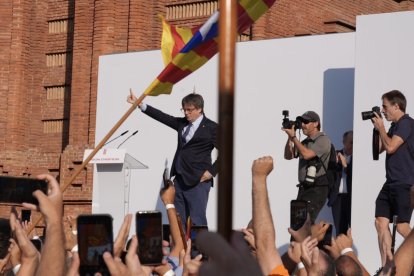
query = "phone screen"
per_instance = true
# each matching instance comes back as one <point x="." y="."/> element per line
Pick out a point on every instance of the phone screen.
<point x="5" y="235"/>
<point x="166" y="232"/>
<point x="94" y="238"/>
<point x="327" y="238"/>
<point x="149" y="233"/>
<point x="26" y="214"/>
<point x="298" y="213"/>
<point x="37" y="243"/>
<point x="195" y="230"/>
<point x="20" y="189"/>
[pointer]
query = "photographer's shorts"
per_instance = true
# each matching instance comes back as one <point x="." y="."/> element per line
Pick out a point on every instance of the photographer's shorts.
<point x="394" y="199"/>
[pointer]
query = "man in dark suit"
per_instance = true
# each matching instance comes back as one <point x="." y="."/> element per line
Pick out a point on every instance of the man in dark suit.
<point x="192" y="165"/>
<point x="342" y="198"/>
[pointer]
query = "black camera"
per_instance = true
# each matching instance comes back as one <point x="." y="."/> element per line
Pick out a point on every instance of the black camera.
<point x="287" y="124"/>
<point x="366" y="115"/>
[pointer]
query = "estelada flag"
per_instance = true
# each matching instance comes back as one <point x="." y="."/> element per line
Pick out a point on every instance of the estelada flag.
<point x="185" y="50"/>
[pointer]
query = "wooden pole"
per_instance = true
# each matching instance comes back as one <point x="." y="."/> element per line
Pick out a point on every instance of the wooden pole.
<point x="227" y="42"/>
<point x="92" y="154"/>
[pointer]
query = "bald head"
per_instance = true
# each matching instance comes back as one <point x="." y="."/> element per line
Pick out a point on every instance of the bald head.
<point x="346" y="266"/>
<point x="326" y="264"/>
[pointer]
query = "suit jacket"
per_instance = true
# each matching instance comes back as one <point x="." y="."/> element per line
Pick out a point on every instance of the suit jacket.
<point x="195" y="156"/>
<point x="339" y="170"/>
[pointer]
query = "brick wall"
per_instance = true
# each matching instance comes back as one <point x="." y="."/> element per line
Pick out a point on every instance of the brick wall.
<point x="49" y="57"/>
<point x="291" y="18"/>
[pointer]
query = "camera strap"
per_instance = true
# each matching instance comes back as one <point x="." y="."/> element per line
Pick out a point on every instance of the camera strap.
<point x="410" y="139"/>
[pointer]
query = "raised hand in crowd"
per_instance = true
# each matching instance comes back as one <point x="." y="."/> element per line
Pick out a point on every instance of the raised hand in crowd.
<point x="294" y="253"/>
<point x="122" y="237"/>
<point x="249" y="238"/>
<point x="26" y="225"/>
<point x="132" y="264"/>
<point x="342" y="245"/>
<point x="191" y="267"/>
<point x="302" y="233"/>
<point x="333" y="249"/>
<point x="3" y="263"/>
<point x="70" y="234"/>
<point x="53" y="252"/>
<point x="167" y="195"/>
<point x="310" y="256"/>
<point x="73" y="267"/>
<point x="14" y="254"/>
<point x="24" y="255"/>
<point x="264" y="232"/>
<point x="317" y="230"/>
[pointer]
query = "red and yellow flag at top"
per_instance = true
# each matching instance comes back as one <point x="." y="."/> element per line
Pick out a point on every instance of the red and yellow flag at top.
<point x="184" y="50"/>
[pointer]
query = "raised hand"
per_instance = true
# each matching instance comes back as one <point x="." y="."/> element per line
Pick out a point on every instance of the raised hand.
<point x="131" y="97"/>
<point x="262" y="167"/>
<point x="133" y="266"/>
<point x="301" y="234"/>
<point x="29" y="257"/>
<point x="51" y="204"/>
<point x="310" y="256"/>
<point x="122" y="237"/>
<point x="344" y="241"/>
<point x="191" y="266"/>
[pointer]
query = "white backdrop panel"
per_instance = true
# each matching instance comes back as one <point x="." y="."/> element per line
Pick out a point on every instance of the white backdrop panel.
<point x="298" y="74"/>
<point x="384" y="61"/>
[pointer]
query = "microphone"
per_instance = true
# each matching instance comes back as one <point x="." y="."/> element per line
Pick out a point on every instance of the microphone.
<point x="135" y="132"/>
<point x="122" y="134"/>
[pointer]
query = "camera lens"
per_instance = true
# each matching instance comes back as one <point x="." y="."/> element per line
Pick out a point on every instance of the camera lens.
<point x="366" y="115"/>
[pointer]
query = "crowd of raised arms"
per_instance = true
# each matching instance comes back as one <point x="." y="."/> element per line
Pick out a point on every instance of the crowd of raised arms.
<point x="251" y="251"/>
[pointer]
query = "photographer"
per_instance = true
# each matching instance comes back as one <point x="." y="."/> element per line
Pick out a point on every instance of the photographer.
<point x="394" y="197"/>
<point x="315" y="149"/>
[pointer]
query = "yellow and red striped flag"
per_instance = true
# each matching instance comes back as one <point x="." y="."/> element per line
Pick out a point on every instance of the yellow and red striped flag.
<point x="185" y="50"/>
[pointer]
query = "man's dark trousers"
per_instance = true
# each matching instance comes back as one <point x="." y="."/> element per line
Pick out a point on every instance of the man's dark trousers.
<point x="193" y="198"/>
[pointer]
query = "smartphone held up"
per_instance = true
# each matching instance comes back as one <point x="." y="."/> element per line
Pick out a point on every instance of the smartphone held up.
<point x="298" y="213"/>
<point x="327" y="238"/>
<point x="20" y="189"/>
<point x="149" y="233"/>
<point x="5" y="235"/>
<point x="95" y="237"/>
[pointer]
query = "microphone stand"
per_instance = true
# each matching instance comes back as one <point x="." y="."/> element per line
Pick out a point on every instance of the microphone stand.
<point x="122" y="134"/>
<point x="135" y="132"/>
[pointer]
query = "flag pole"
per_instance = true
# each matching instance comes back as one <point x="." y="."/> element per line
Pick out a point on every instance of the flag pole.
<point x="227" y="42"/>
<point x="92" y="154"/>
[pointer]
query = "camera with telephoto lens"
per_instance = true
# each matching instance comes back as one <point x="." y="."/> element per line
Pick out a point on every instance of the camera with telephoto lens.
<point x="287" y="124"/>
<point x="366" y="115"/>
<point x="313" y="167"/>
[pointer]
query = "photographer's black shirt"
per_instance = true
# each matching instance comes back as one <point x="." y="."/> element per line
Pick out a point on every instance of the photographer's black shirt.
<point x="399" y="166"/>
